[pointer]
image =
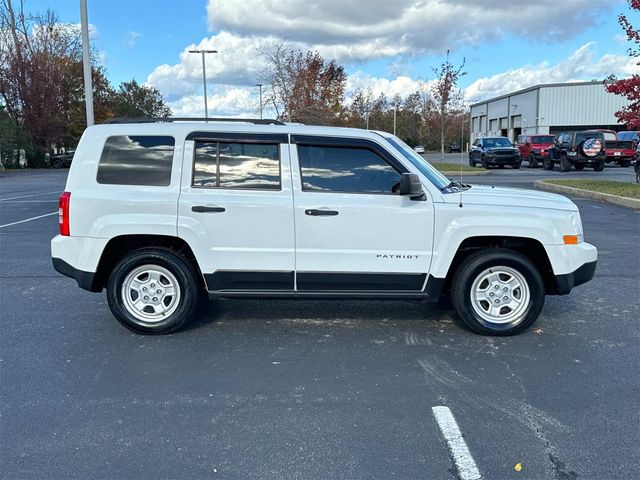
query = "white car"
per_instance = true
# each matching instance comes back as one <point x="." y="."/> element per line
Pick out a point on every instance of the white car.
<point x="158" y="213"/>
<point x="419" y="149"/>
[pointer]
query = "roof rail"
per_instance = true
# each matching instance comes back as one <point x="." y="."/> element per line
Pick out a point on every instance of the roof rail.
<point x="255" y="121"/>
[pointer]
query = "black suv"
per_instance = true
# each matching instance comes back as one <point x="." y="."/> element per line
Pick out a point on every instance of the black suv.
<point x="455" y="146"/>
<point x="580" y="149"/>
<point x="494" y="151"/>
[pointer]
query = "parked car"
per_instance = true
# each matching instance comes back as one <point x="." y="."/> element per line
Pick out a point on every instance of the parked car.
<point x="160" y="213"/>
<point x="577" y="149"/>
<point x="61" y="160"/>
<point x="621" y="152"/>
<point x="494" y="151"/>
<point x="419" y="149"/>
<point x="455" y="146"/>
<point x="534" y="148"/>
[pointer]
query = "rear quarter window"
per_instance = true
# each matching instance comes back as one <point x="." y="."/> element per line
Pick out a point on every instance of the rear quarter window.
<point x="136" y="160"/>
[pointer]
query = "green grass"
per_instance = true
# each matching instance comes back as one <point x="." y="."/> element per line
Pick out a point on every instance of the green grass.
<point x="623" y="189"/>
<point x="454" y="167"/>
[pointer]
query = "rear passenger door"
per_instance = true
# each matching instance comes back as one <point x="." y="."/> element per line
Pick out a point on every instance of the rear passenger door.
<point x="353" y="233"/>
<point x="236" y="210"/>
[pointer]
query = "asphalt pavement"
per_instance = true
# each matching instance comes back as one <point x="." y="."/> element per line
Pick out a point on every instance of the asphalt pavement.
<point x="313" y="389"/>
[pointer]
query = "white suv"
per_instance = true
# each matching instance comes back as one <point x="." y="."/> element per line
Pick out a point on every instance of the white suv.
<point x="159" y="212"/>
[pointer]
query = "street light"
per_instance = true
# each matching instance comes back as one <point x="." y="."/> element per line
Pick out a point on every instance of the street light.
<point x="86" y="63"/>
<point x="259" y="85"/>
<point x="204" y="78"/>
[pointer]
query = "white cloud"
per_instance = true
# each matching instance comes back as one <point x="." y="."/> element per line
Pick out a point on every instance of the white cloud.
<point x="131" y="38"/>
<point x="223" y="101"/>
<point x="359" y="31"/>
<point x="581" y="65"/>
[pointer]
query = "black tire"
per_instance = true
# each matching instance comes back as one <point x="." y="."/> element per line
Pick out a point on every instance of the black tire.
<point x="547" y="163"/>
<point x="579" y="166"/>
<point x="472" y="163"/>
<point x="565" y="164"/>
<point x="637" y="167"/>
<point x="183" y="273"/>
<point x="472" y="267"/>
<point x="599" y="166"/>
<point x="625" y="163"/>
<point x="533" y="161"/>
<point x="483" y="162"/>
<point x="516" y="166"/>
<point x="500" y="165"/>
<point x="57" y="163"/>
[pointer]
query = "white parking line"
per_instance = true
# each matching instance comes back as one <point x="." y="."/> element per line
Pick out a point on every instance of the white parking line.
<point x="29" y="219"/>
<point x="29" y="195"/>
<point x="467" y="469"/>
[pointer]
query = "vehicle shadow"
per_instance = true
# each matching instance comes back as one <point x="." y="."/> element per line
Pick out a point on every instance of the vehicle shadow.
<point x="330" y="311"/>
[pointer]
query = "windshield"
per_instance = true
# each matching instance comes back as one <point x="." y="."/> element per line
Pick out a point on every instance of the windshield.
<point x="496" y="142"/>
<point x="420" y="163"/>
<point x="543" y="139"/>
<point x="628" y="136"/>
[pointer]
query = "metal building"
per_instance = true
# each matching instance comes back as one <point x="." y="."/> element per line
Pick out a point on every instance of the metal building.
<point x="550" y="108"/>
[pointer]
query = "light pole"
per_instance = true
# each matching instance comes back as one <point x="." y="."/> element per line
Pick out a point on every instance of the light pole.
<point x="204" y="78"/>
<point x="86" y="63"/>
<point x="395" y="111"/>
<point x="259" y="85"/>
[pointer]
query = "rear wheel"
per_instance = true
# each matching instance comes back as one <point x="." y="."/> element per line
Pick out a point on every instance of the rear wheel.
<point x="497" y="292"/>
<point x="153" y="291"/>
<point x="599" y="166"/>
<point x="625" y="163"/>
<point x="565" y="164"/>
<point x="57" y="163"/>
<point x="533" y="161"/>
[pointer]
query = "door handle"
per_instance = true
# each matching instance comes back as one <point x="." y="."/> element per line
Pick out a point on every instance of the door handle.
<point x="205" y="209"/>
<point x="318" y="213"/>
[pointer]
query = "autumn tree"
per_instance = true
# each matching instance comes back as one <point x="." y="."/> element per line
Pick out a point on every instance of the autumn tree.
<point x="135" y="100"/>
<point x="443" y="93"/>
<point x="629" y="87"/>
<point x="303" y="86"/>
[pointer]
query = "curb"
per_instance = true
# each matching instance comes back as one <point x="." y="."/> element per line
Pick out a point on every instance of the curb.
<point x="464" y="174"/>
<point x="603" y="197"/>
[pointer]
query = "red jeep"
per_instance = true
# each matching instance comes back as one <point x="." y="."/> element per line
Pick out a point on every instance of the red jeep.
<point x="535" y="148"/>
<point x="619" y="151"/>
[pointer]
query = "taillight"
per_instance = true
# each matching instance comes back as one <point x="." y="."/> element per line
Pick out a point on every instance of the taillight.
<point x="63" y="213"/>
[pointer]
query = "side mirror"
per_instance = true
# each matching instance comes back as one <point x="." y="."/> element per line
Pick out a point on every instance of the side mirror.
<point x="528" y="144"/>
<point x="410" y="185"/>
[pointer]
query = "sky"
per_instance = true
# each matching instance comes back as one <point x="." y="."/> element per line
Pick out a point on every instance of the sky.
<point x="387" y="45"/>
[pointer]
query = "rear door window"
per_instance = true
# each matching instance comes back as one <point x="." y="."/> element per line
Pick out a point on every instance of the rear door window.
<point x="136" y="160"/>
<point x="237" y="165"/>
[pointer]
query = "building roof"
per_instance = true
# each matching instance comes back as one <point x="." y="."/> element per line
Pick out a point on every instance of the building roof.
<point x="537" y="87"/>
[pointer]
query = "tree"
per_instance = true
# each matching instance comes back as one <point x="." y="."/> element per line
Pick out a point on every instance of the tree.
<point x="303" y="87"/>
<point x="442" y="91"/>
<point x="135" y="100"/>
<point x="629" y="87"/>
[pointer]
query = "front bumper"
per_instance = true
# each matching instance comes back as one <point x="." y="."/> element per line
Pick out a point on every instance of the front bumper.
<point x="569" y="280"/>
<point x="503" y="159"/>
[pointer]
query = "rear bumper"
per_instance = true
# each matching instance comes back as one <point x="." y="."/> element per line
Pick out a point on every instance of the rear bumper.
<point x="86" y="280"/>
<point x="579" y="276"/>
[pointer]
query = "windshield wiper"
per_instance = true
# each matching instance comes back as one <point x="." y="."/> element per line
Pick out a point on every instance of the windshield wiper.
<point x="457" y="185"/>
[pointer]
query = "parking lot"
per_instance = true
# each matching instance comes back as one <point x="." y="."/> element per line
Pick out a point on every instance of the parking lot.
<point x="287" y="389"/>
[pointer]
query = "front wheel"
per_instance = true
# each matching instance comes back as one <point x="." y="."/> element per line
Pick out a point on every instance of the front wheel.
<point x="565" y="164"/>
<point x="497" y="292"/>
<point x="533" y="161"/>
<point x="483" y="162"/>
<point x="57" y="163"/>
<point x="471" y="162"/>
<point x="516" y="165"/>
<point x="548" y="163"/>
<point x="152" y="291"/>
